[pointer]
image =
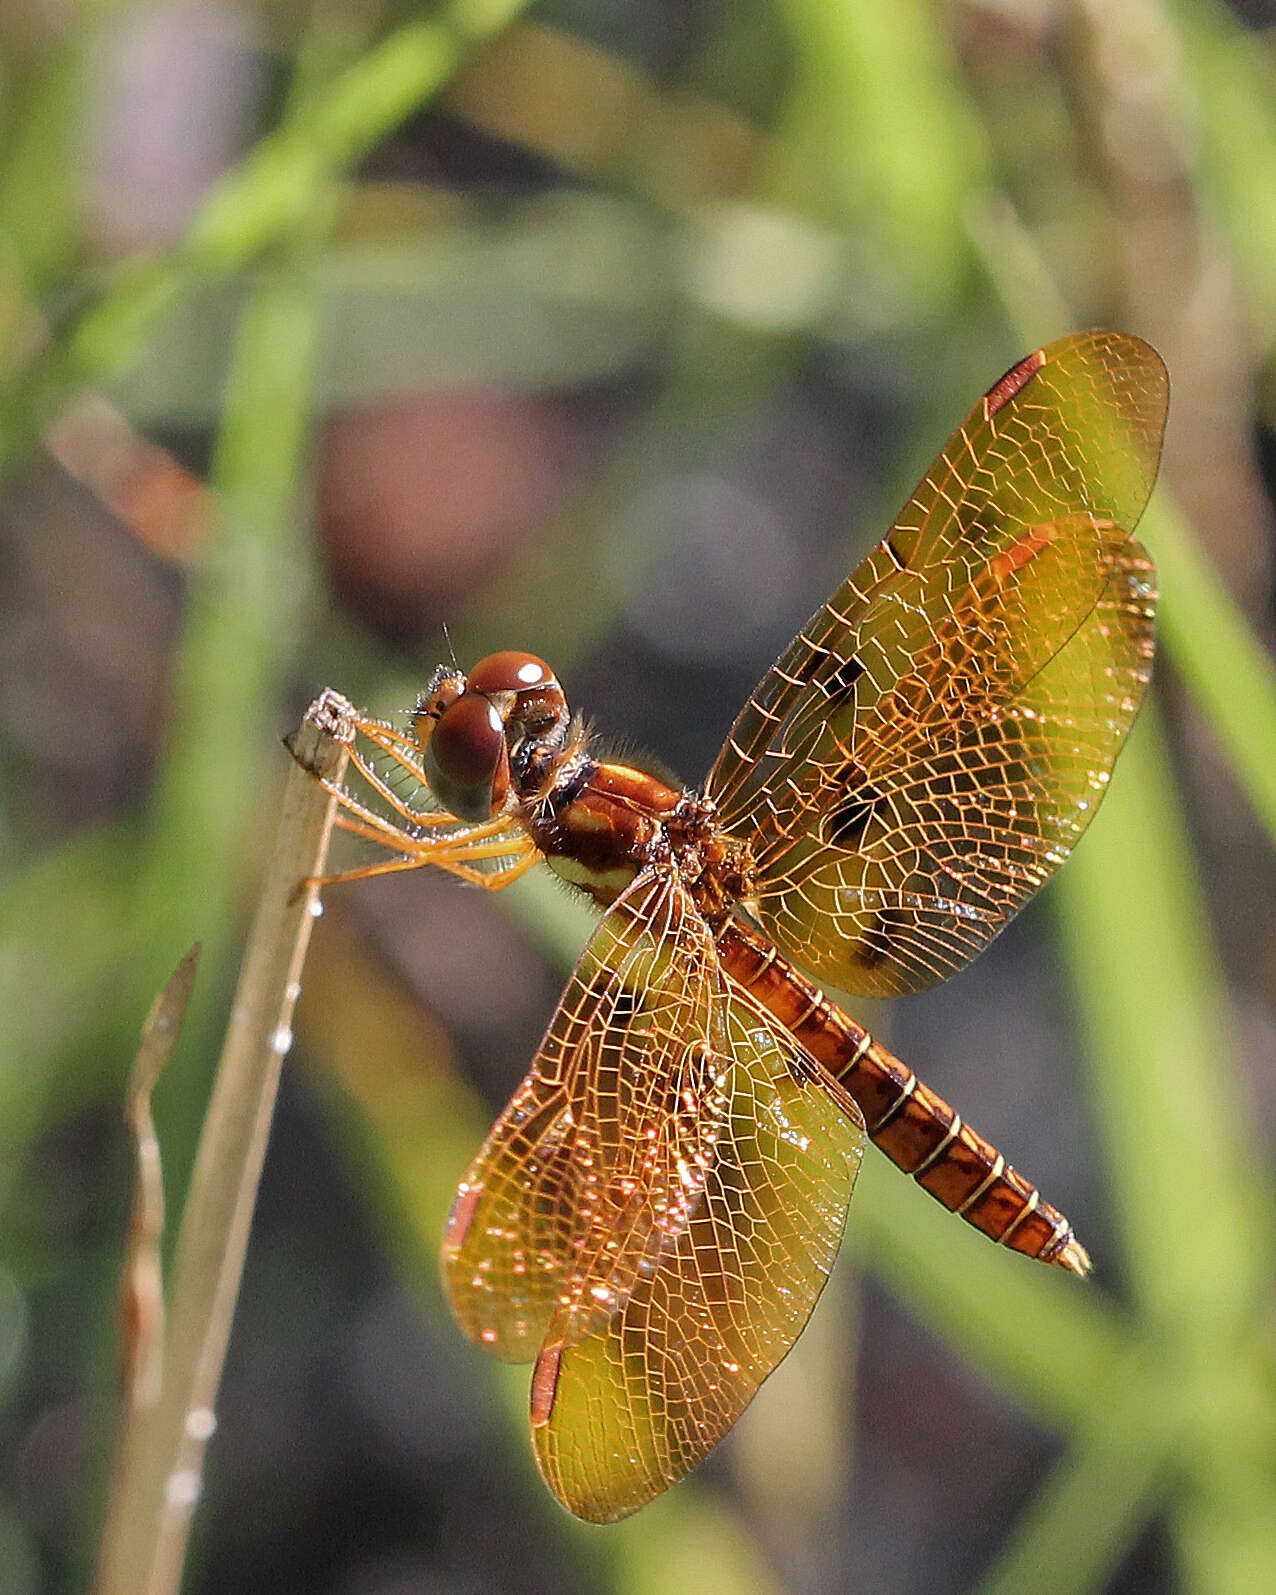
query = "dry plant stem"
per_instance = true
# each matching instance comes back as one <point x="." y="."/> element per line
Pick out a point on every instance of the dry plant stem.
<point x="161" y="1465"/>
<point x="141" y="1278"/>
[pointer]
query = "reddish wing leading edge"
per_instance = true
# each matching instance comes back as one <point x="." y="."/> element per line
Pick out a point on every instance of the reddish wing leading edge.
<point x="653" y="1216"/>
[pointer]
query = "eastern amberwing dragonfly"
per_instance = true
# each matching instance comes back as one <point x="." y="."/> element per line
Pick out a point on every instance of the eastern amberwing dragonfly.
<point x="653" y="1216"/>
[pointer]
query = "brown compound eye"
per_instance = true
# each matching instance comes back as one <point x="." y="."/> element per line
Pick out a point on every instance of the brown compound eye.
<point x="511" y="671"/>
<point x="529" y="697"/>
<point x="466" y="758"/>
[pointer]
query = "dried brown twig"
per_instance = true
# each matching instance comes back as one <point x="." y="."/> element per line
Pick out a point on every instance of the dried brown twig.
<point x="171" y="1410"/>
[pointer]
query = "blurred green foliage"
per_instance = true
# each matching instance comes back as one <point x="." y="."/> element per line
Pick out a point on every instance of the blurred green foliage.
<point x="907" y="196"/>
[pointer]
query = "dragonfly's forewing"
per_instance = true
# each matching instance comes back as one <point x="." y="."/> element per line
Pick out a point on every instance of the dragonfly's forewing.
<point x="939" y="734"/>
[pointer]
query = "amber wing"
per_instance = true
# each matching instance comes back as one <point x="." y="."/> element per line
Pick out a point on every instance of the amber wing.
<point x="592" y="1169"/>
<point x="622" y="1415"/>
<point x="937" y="737"/>
<point x="654" y="1215"/>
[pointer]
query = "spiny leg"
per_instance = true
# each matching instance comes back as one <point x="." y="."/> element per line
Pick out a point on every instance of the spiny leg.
<point x="400" y="838"/>
<point x="454" y="866"/>
<point x="501" y="878"/>
<point x="384" y="735"/>
<point x="492" y="839"/>
<point x="455" y="853"/>
<point x="397" y="842"/>
<point x="393" y="834"/>
<point x="364" y="872"/>
<point x="392" y="744"/>
<point x="381" y="785"/>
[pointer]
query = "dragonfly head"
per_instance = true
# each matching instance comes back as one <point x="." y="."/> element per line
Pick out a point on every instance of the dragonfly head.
<point x="477" y="732"/>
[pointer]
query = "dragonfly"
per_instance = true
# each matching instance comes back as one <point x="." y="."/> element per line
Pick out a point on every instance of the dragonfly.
<point x="653" y="1216"/>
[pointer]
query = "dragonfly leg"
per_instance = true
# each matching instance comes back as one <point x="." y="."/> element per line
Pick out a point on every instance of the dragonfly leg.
<point x="453" y="863"/>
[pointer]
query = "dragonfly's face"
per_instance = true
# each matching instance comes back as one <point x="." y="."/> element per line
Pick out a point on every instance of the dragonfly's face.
<point x="473" y="728"/>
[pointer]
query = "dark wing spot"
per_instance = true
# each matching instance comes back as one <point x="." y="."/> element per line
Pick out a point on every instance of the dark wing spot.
<point x="847" y="823"/>
<point x="841" y="683"/>
<point x="878" y="943"/>
<point x="616" y="1003"/>
<point x="893" y="551"/>
<point x="624" y="1005"/>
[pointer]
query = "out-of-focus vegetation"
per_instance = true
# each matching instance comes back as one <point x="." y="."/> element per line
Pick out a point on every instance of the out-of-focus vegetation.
<point x="617" y="332"/>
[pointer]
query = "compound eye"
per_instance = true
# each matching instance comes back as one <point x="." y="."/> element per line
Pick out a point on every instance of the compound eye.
<point x="511" y="671"/>
<point x="466" y="760"/>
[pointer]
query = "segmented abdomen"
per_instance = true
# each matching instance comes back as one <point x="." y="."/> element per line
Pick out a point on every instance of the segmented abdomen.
<point x="915" y="1127"/>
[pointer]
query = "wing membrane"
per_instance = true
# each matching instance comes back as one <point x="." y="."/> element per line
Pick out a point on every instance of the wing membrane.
<point x="593" y="1169"/>
<point x="938" y="735"/>
<point x="618" y="1417"/>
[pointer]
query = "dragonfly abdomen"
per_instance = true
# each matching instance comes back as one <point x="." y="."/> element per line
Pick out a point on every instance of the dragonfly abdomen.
<point x="920" y="1132"/>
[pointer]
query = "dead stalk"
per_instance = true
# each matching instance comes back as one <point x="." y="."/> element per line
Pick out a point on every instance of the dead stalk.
<point x="159" y="1468"/>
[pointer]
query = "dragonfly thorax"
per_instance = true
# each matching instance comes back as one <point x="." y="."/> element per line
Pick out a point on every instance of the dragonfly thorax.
<point x="602" y="823"/>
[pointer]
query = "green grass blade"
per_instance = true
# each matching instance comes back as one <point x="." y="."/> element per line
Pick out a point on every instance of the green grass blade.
<point x="241" y="620"/>
<point x="1233" y="76"/>
<point x="1137" y="944"/>
<point x="270" y="197"/>
<point x="892" y="139"/>
<point x="1191" y="1206"/>
<point x="1224" y="666"/>
<point x="1080" y="1523"/>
